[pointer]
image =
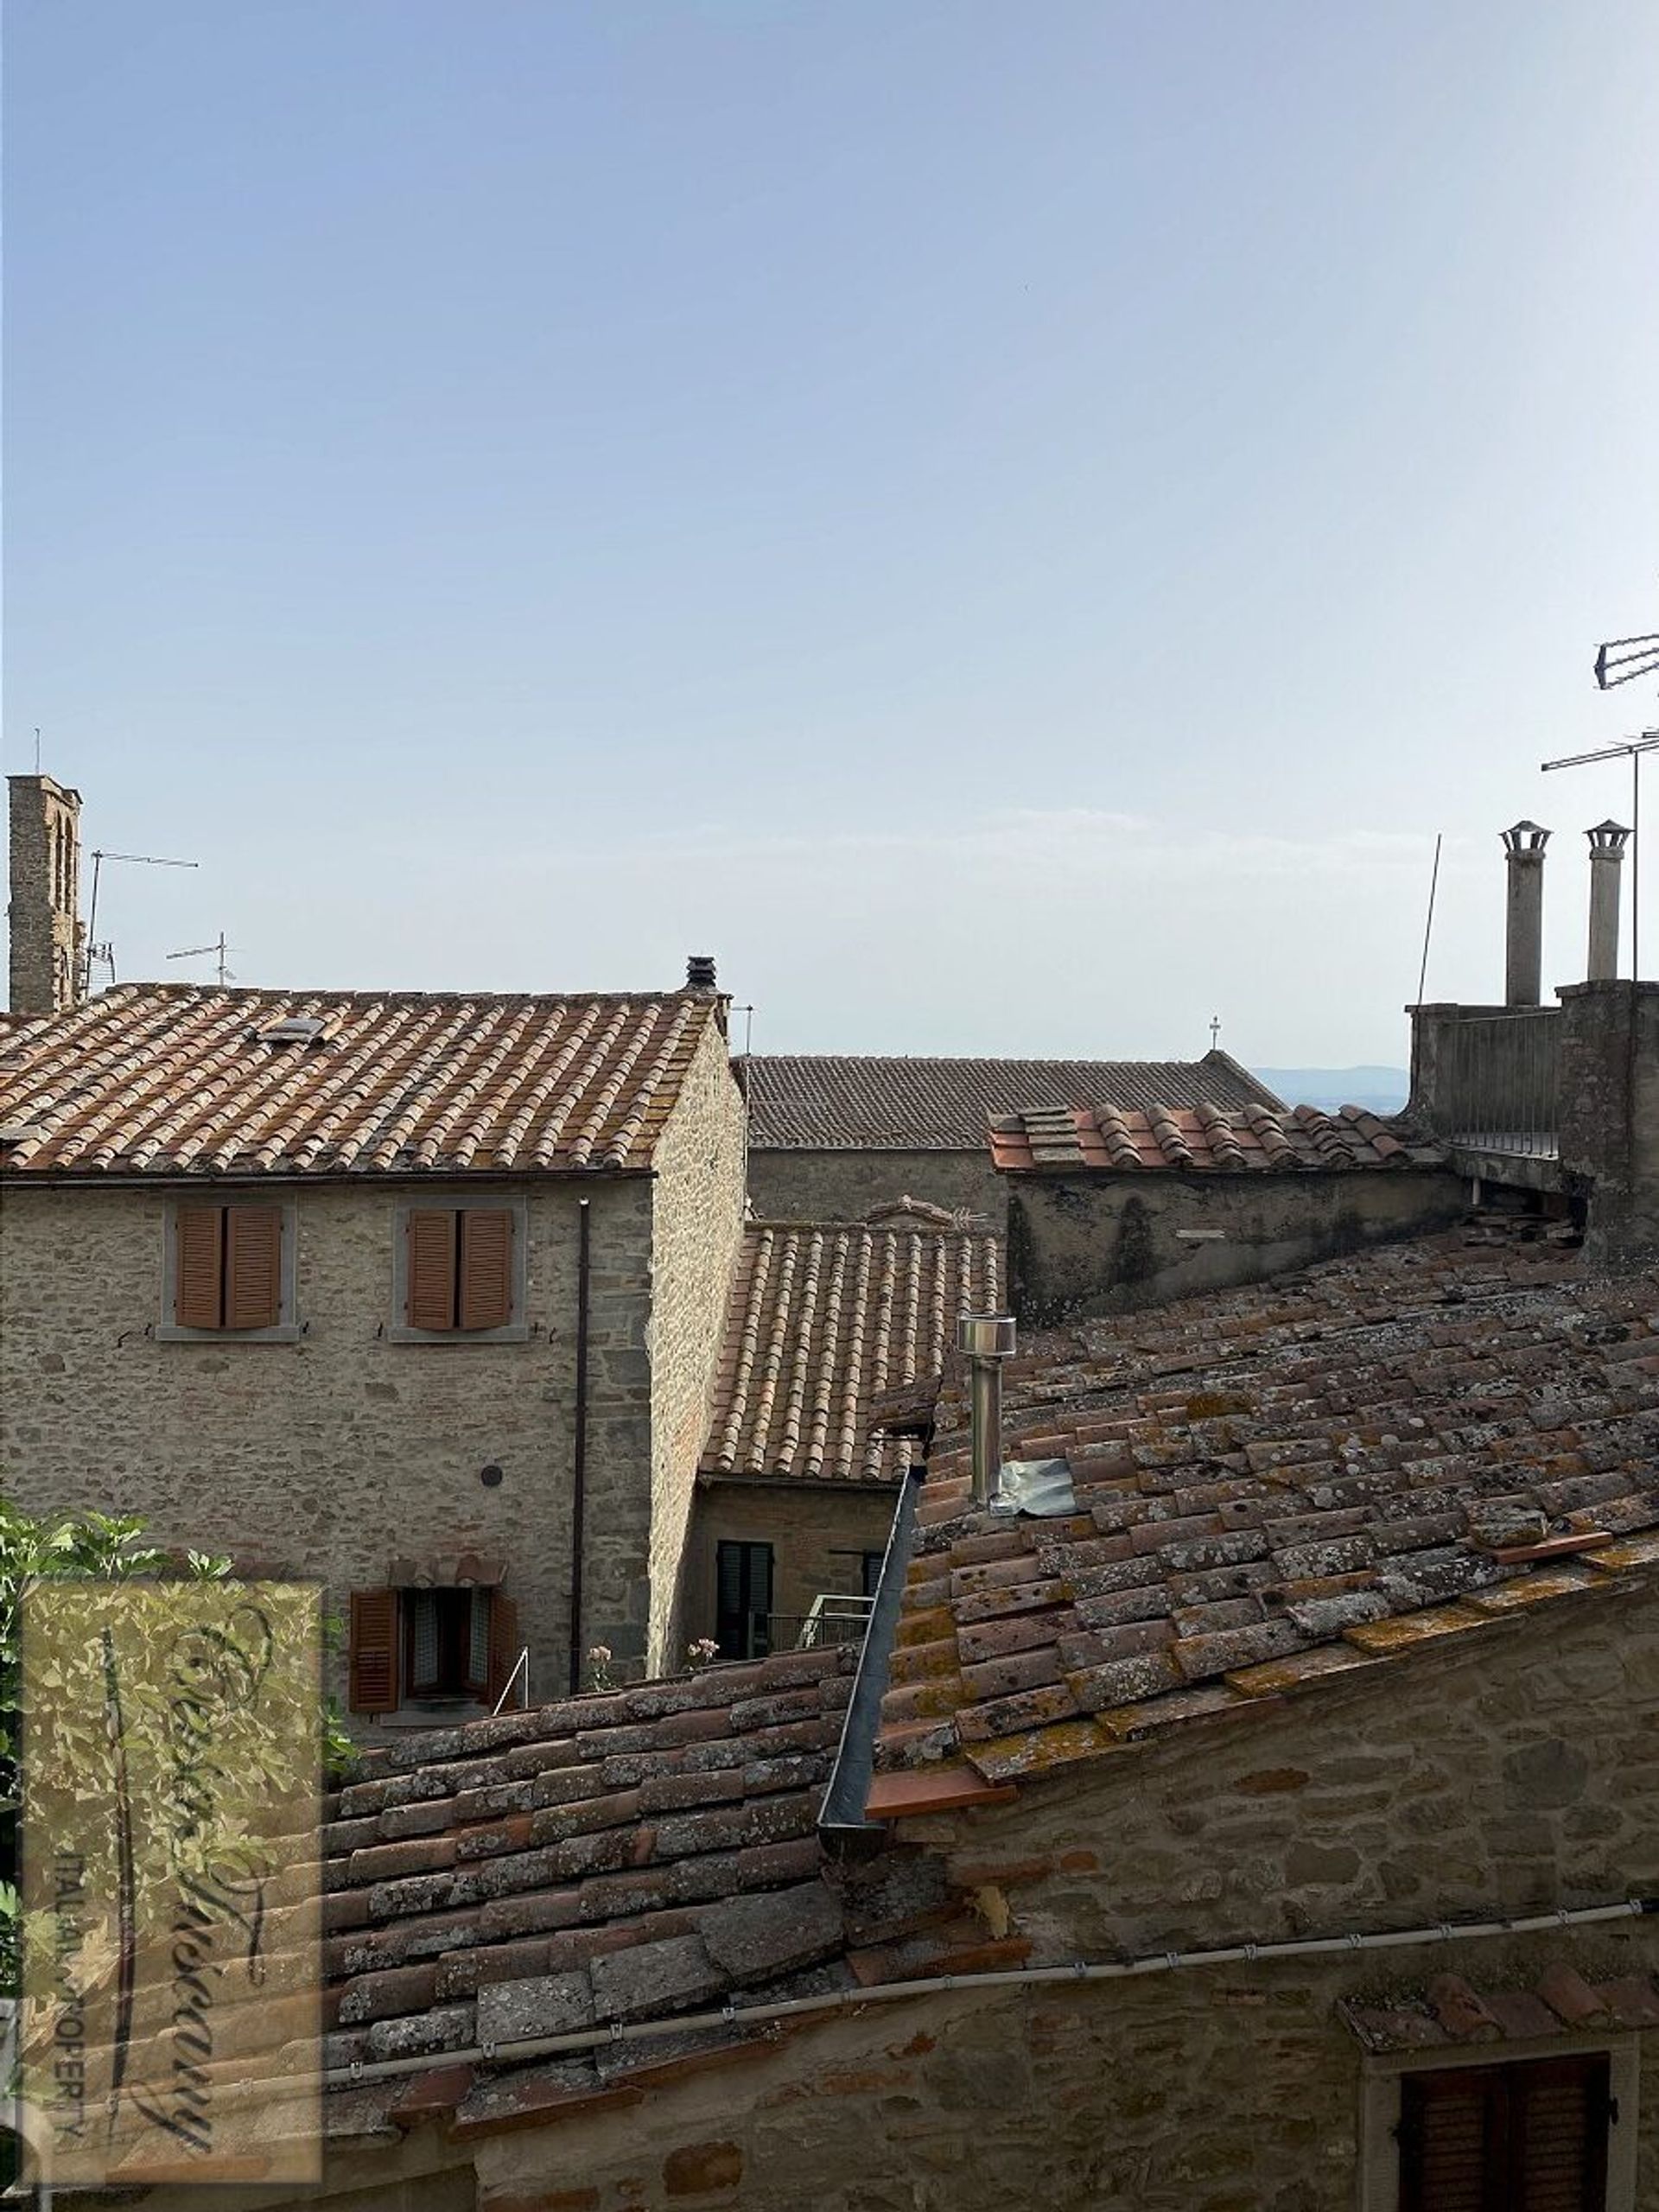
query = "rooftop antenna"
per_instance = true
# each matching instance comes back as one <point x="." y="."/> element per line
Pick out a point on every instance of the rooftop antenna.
<point x="106" y="952"/>
<point x="748" y="1013"/>
<point x="1433" y="886"/>
<point x="1215" y="1033"/>
<point x="37" y="749"/>
<point x="1631" y="748"/>
<point x="218" y="948"/>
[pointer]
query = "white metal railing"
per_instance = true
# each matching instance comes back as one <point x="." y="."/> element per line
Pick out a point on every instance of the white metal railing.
<point x="520" y="1666"/>
<point x="833" y="1617"/>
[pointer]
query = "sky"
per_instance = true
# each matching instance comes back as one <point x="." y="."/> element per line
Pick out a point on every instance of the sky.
<point x="1013" y="526"/>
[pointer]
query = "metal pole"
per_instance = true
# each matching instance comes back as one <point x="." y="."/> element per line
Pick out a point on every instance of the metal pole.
<point x="1433" y="882"/>
<point x="987" y="1389"/>
<point x="579" y="1473"/>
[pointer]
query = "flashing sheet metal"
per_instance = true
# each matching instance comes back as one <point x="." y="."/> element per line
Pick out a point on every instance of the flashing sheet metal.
<point x="1039" y="1487"/>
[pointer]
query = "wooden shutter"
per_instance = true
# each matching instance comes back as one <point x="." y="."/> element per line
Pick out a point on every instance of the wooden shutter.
<point x="198" y="1268"/>
<point x="1558" y="2134"/>
<point x="505" y="1646"/>
<point x="373" y="1652"/>
<point x="1526" y="2138"/>
<point x="253" y="1267"/>
<point x="429" y="1302"/>
<point x="486" y="1294"/>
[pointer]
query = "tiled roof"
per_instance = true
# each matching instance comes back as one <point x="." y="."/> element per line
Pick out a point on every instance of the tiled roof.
<point x="646" y="1854"/>
<point x="168" y="1079"/>
<point x="823" y="1317"/>
<point x="1278" y="1485"/>
<point x="833" y="1102"/>
<point x="1451" y="2011"/>
<point x="1205" y="1138"/>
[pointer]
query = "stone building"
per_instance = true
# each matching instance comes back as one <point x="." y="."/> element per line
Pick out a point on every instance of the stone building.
<point x="1270" y="1829"/>
<point x="1110" y="1208"/>
<point x="832" y="1135"/>
<point x="795" y="1494"/>
<point x="47" y="943"/>
<point x="415" y="1294"/>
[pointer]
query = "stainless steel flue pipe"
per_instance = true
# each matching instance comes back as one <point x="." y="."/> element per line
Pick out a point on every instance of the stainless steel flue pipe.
<point x="985" y="1340"/>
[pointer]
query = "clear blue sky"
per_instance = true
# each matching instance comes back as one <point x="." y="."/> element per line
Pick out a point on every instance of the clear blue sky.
<point x="1013" y="525"/>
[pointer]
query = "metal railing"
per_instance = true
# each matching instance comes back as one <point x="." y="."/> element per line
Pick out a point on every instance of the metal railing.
<point x="831" y="1619"/>
<point x="1504" y="1095"/>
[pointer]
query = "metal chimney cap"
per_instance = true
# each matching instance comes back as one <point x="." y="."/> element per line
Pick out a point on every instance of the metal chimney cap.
<point x="700" y="972"/>
<point x="1609" y="836"/>
<point x="985" y="1336"/>
<point x="1525" y="837"/>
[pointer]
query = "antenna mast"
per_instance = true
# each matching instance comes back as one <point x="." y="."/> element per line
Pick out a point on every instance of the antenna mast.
<point x="219" y="949"/>
<point x="106" y="952"/>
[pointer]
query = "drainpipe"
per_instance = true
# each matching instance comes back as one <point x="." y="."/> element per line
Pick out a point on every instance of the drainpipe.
<point x="579" y="1473"/>
<point x="1523" y="945"/>
<point x="1607" y="843"/>
<point x="985" y="1340"/>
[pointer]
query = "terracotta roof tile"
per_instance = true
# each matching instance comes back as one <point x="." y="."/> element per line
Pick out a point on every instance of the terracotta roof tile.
<point x="1276" y="1485"/>
<point x="825" y="1321"/>
<point x="837" y="1102"/>
<point x="174" y="1079"/>
<point x="1450" y="2011"/>
<point x="1203" y="1137"/>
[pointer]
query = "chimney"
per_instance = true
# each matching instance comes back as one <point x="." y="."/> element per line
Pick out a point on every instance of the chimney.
<point x="1607" y="843"/>
<point x="1524" y="950"/>
<point x="46" y="935"/>
<point x="700" y="972"/>
<point x="985" y="1340"/>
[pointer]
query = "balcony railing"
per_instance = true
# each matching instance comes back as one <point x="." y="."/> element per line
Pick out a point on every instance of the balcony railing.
<point x="1503" y="1094"/>
<point x="832" y="1619"/>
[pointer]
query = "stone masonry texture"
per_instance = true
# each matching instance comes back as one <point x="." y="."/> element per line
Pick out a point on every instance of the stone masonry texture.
<point x="800" y="1184"/>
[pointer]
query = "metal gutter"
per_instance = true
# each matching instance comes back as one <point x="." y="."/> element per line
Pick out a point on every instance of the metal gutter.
<point x="844" y="1827"/>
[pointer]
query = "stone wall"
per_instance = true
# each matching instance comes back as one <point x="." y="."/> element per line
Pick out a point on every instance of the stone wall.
<point x="1097" y="1243"/>
<point x="44" y="869"/>
<point x="698" y="1224"/>
<point x="1609" y="1114"/>
<point x="835" y="1186"/>
<point x="328" y="1456"/>
<point x="818" y="1532"/>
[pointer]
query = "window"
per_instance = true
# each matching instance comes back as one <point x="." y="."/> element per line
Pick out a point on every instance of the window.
<point x="1531" y="2136"/>
<point x="873" y="1573"/>
<point x="743" y="1600"/>
<point x="229" y="1271"/>
<point x="459" y="1272"/>
<point x="411" y="1647"/>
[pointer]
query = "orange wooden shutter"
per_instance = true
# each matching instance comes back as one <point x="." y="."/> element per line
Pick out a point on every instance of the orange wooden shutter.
<point x="253" y="1267"/>
<point x="430" y="1302"/>
<point x="486" y="1298"/>
<point x="373" y="1653"/>
<point x="504" y="1645"/>
<point x="199" y="1276"/>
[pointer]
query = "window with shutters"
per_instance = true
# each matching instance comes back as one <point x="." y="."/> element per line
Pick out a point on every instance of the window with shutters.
<point x="458" y="1275"/>
<point x="1538" y="2134"/>
<point x="743" y="1600"/>
<point x="228" y="1271"/>
<point x="412" y="1649"/>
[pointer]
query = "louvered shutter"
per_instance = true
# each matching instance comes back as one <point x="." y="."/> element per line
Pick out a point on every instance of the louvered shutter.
<point x="253" y="1267"/>
<point x="372" y="1659"/>
<point x="504" y="1646"/>
<point x="431" y="1254"/>
<point x="198" y="1268"/>
<point x="1450" y="2145"/>
<point x="486" y="1296"/>
<point x="1558" y="2134"/>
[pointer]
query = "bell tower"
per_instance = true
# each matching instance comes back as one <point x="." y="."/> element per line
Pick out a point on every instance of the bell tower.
<point x="47" y="940"/>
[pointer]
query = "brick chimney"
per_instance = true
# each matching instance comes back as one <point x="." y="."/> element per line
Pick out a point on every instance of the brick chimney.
<point x="1607" y="843"/>
<point x="47" y="937"/>
<point x="1523" y="948"/>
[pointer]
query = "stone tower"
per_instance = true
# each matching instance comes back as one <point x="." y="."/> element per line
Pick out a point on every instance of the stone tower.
<point x="47" y="937"/>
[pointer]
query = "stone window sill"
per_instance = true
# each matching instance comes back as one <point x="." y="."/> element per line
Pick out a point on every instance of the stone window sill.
<point x="516" y="1332"/>
<point x="286" y="1333"/>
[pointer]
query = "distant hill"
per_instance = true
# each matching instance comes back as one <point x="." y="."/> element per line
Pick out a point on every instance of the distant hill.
<point x="1382" y="1090"/>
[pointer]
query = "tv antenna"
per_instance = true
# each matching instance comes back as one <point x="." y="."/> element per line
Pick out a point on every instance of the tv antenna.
<point x="1631" y="749"/>
<point x="1621" y="660"/>
<point x="218" y="948"/>
<point x="106" y="952"/>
